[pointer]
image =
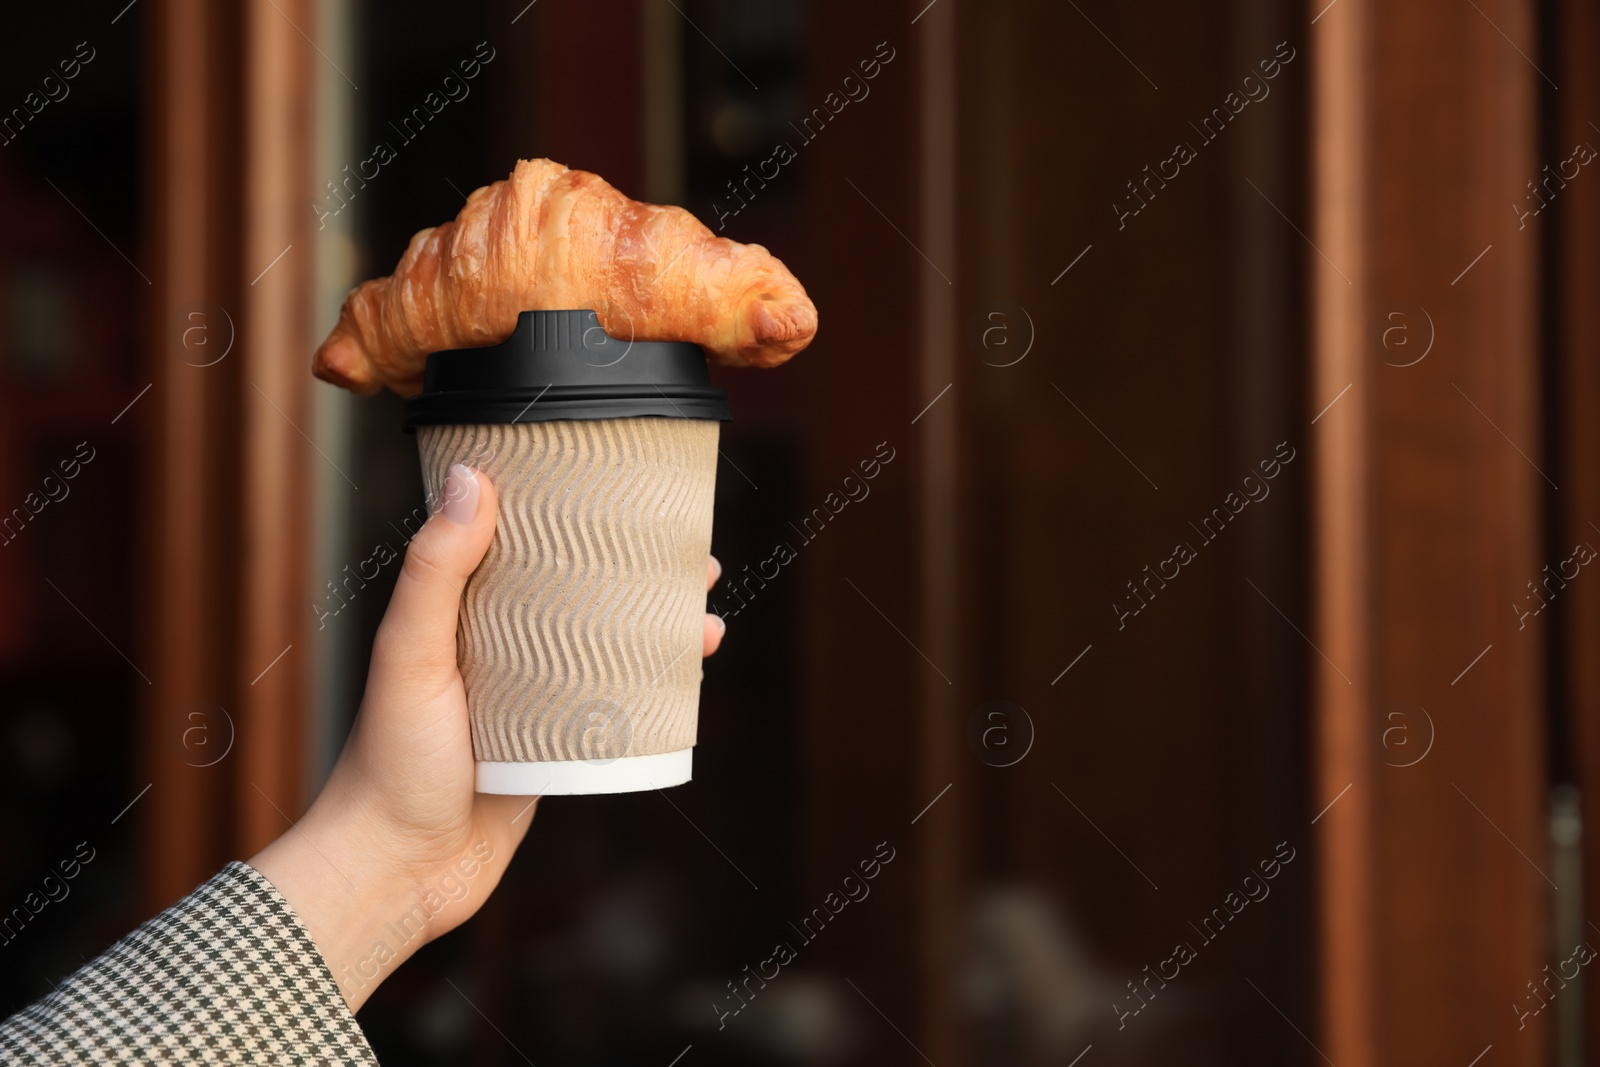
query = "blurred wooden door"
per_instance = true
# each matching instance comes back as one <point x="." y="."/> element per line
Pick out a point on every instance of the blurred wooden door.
<point x="1070" y="379"/>
<point x="1163" y="312"/>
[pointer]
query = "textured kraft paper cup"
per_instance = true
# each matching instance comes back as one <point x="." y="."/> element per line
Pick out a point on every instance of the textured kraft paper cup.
<point x="581" y="630"/>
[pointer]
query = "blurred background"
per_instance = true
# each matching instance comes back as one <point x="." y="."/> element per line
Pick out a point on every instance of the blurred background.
<point x="1211" y="656"/>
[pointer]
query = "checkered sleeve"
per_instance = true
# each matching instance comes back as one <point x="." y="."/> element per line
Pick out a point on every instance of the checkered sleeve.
<point x="226" y="975"/>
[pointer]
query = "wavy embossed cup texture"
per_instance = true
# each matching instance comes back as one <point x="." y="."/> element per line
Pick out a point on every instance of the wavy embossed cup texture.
<point x="581" y="630"/>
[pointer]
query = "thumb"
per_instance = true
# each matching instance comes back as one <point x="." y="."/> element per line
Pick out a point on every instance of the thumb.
<point x="418" y="632"/>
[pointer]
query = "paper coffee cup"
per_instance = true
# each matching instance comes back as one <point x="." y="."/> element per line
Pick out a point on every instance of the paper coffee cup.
<point x="581" y="630"/>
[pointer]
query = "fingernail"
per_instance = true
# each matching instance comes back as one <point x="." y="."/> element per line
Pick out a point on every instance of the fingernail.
<point x="717" y="566"/>
<point x="720" y="624"/>
<point x="460" y="494"/>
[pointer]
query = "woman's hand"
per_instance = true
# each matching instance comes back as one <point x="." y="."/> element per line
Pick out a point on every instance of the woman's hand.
<point x="398" y="848"/>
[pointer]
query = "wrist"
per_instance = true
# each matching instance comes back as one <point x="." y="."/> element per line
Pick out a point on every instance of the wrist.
<point x="356" y="907"/>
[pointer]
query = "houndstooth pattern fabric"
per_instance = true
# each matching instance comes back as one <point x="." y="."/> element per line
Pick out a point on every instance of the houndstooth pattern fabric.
<point x="226" y="975"/>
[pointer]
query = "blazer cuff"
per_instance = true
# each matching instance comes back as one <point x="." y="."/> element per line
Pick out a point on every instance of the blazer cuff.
<point x="226" y="975"/>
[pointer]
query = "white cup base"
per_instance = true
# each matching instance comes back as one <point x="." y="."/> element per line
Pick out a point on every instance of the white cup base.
<point x="627" y="774"/>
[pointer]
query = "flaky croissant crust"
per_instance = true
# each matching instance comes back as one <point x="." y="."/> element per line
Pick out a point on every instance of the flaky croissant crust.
<point x="547" y="238"/>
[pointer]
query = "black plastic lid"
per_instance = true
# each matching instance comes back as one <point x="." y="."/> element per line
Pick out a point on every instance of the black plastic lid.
<point x="563" y="365"/>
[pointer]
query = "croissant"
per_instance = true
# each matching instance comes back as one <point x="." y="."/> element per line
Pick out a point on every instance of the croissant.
<point x="547" y="238"/>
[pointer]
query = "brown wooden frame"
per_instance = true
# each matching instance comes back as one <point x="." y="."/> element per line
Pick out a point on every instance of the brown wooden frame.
<point x="1426" y="519"/>
<point x="226" y="475"/>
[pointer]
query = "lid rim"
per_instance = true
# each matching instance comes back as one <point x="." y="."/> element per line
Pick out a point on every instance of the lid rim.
<point x="543" y="372"/>
<point x="450" y="412"/>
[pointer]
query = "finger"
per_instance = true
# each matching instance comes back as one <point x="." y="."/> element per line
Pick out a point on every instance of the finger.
<point x="418" y="633"/>
<point x="715" y="628"/>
